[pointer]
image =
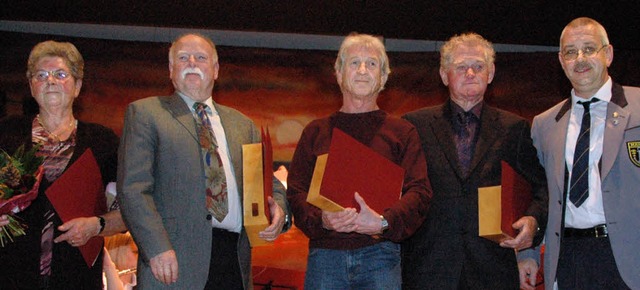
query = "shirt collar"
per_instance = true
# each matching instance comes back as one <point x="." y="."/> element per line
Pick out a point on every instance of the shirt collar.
<point x="476" y="110"/>
<point x="190" y="102"/>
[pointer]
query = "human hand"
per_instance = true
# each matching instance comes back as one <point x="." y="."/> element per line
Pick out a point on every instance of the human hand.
<point x="277" y="221"/>
<point x="341" y="221"/>
<point x="78" y="231"/>
<point x="107" y="263"/>
<point x="528" y="269"/>
<point x="164" y="267"/>
<point x="527" y="227"/>
<point x="113" y="281"/>
<point x="4" y="220"/>
<point x="368" y="221"/>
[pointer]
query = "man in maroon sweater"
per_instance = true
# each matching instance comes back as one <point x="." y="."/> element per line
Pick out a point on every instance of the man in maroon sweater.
<point x="350" y="249"/>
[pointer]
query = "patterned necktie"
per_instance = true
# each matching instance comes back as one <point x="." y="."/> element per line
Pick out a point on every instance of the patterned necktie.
<point x="579" y="190"/>
<point x="464" y="139"/>
<point x="216" y="192"/>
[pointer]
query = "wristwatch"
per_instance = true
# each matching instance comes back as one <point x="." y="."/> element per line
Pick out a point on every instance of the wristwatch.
<point x="102" y="223"/>
<point x="385" y="223"/>
<point x="287" y="223"/>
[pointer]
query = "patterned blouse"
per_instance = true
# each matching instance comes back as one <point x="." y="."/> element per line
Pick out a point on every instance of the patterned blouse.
<point x="57" y="153"/>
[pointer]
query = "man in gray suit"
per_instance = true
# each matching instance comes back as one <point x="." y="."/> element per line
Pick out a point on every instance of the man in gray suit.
<point x="592" y="237"/>
<point x="161" y="181"/>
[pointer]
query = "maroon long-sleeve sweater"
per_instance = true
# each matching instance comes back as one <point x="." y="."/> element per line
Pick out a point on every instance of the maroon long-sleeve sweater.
<point x="393" y="138"/>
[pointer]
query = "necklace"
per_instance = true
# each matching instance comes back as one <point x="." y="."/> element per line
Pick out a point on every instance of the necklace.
<point x="56" y="138"/>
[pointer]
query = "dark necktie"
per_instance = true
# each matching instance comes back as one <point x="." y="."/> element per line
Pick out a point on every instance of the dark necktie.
<point x="579" y="190"/>
<point x="464" y="142"/>
<point x="216" y="191"/>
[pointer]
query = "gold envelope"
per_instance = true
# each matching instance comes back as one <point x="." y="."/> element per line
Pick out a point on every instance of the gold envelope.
<point x="254" y="217"/>
<point x="500" y="206"/>
<point x="490" y="213"/>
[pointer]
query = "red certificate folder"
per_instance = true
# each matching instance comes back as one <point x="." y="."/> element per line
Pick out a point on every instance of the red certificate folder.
<point x="257" y="168"/>
<point x="79" y="192"/>
<point x="351" y="167"/>
<point x="500" y="206"/>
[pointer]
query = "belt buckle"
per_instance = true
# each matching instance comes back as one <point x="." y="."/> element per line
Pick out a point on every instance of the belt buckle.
<point x="601" y="231"/>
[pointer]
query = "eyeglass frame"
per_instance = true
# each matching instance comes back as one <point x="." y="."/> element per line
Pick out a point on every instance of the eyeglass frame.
<point x="581" y="51"/>
<point x="46" y="74"/>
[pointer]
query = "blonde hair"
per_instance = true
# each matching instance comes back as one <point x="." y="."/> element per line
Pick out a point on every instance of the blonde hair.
<point x="465" y="39"/>
<point x="65" y="50"/>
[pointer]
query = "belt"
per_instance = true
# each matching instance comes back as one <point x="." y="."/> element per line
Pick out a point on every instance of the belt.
<point x="223" y="232"/>
<point x="599" y="231"/>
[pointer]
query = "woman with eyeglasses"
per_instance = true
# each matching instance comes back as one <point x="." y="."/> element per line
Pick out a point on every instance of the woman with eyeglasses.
<point x="49" y="255"/>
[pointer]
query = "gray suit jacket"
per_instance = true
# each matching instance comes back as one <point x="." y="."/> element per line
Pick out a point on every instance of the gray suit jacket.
<point x="620" y="174"/>
<point x="161" y="187"/>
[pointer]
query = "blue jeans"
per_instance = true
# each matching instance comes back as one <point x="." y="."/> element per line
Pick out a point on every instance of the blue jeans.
<point x="373" y="267"/>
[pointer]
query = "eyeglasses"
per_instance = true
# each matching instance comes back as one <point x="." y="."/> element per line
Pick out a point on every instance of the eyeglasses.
<point x="587" y="51"/>
<point x="42" y="75"/>
<point x="462" y="68"/>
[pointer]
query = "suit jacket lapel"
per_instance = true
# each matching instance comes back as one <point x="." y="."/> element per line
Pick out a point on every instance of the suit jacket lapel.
<point x="181" y="112"/>
<point x="559" y="131"/>
<point x="613" y="133"/>
<point x="441" y="127"/>
<point x="489" y="128"/>
<point x="614" y="130"/>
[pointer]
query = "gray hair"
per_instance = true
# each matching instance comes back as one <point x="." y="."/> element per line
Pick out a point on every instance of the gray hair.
<point x="207" y="39"/>
<point x="365" y="40"/>
<point x="586" y="21"/>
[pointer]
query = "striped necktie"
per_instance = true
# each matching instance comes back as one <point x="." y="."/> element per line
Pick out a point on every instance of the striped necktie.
<point x="579" y="190"/>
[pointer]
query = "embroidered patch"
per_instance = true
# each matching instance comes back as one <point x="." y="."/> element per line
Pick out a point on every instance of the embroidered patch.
<point x="633" y="148"/>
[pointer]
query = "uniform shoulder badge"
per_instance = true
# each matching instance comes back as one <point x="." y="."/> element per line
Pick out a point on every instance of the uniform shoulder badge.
<point x="633" y="148"/>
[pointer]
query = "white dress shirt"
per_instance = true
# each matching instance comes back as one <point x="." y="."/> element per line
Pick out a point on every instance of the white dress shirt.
<point x="591" y="212"/>
<point x="233" y="221"/>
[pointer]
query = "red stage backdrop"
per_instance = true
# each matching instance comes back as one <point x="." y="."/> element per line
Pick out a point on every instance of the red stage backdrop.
<point x="284" y="89"/>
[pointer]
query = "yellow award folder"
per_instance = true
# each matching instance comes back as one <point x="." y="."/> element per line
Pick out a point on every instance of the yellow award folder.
<point x="257" y="171"/>
<point x="502" y="205"/>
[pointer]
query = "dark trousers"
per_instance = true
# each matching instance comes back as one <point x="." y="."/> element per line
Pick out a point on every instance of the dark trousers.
<point x="588" y="263"/>
<point x="224" y="269"/>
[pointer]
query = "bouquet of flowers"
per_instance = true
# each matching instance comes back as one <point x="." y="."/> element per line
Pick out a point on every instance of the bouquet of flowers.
<point x="20" y="176"/>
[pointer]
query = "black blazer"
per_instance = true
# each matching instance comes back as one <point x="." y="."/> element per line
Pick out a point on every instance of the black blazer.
<point x="448" y="242"/>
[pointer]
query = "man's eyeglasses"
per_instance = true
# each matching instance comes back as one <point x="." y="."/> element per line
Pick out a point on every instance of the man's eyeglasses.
<point x="587" y="51"/>
<point x="42" y="75"/>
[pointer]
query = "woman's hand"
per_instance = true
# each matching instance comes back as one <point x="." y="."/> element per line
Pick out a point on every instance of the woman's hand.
<point x="4" y="220"/>
<point x="78" y="231"/>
